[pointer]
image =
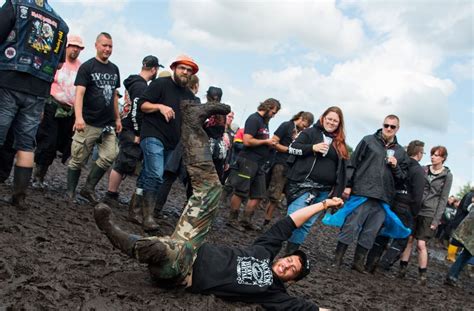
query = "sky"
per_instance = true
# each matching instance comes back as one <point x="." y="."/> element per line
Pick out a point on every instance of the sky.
<point x="412" y="58"/>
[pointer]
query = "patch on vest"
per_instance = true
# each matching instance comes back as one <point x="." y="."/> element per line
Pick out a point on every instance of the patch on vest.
<point x="253" y="271"/>
<point x="10" y="52"/>
<point x="23" y="11"/>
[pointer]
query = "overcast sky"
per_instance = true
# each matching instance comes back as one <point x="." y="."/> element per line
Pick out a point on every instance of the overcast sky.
<point x="412" y="58"/>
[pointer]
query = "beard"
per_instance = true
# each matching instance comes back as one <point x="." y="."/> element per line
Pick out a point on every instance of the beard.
<point x="266" y="117"/>
<point x="182" y="80"/>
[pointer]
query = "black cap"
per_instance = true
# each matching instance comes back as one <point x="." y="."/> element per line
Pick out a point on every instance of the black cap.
<point x="151" y="61"/>
<point x="305" y="266"/>
<point x="214" y="93"/>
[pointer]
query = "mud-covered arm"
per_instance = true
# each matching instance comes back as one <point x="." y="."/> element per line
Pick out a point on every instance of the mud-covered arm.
<point x="443" y="200"/>
<point x="302" y="145"/>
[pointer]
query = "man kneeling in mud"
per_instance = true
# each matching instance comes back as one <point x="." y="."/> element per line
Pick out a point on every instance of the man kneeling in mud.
<point x="183" y="259"/>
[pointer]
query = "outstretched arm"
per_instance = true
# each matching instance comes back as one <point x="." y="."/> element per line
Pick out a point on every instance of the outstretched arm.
<point x="302" y="215"/>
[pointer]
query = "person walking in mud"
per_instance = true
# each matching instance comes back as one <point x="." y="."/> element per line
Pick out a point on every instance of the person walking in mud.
<point x="285" y="134"/>
<point x="247" y="177"/>
<point x="406" y="205"/>
<point x="130" y="153"/>
<point x="97" y="118"/>
<point x="161" y="128"/>
<point x="184" y="259"/>
<point x="55" y="131"/>
<point x="27" y="69"/>
<point x="378" y="162"/>
<point x="438" y="181"/>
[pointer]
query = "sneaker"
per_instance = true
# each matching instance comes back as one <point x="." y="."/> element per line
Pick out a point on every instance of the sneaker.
<point x="450" y="282"/>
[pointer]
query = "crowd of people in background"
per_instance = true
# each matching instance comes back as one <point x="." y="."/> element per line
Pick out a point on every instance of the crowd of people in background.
<point x="162" y="133"/>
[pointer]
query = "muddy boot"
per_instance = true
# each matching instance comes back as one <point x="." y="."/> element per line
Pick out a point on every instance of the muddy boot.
<point x="21" y="179"/>
<point x="148" y="205"/>
<point x="233" y="220"/>
<point x="403" y="269"/>
<point x="422" y="279"/>
<point x="112" y="199"/>
<point x="88" y="191"/>
<point x="246" y="222"/>
<point x="72" y="181"/>
<point x="39" y="172"/>
<point x="359" y="258"/>
<point x="120" y="239"/>
<point x="159" y="207"/>
<point x="373" y="258"/>
<point x="291" y="247"/>
<point x="341" y="249"/>
<point x="134" y="211"/>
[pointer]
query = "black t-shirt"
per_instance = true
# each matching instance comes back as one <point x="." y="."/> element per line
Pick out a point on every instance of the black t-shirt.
<point x="256" y="126"/>
<point x="164" y="91"/>
<point x="246" y="274"/>
<point x="325" y="168"/>
<point x="16" y="80"/>
<point x="287" y="133"/>
<point x="100" y="80"/>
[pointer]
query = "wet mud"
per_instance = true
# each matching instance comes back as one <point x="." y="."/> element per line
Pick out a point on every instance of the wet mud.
<point x="53" y="257"/>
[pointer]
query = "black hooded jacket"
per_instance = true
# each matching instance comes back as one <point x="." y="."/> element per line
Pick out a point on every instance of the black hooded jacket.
<point x="302" y="159"/>
<point x="368" y="173"/>
<point x="135" y="85"/>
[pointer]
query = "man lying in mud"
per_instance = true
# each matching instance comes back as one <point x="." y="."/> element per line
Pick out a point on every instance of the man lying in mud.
<point x="183" y="259"/>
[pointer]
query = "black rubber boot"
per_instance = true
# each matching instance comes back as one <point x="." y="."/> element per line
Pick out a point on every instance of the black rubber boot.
<point x="21" y="179"/>
<point x="341" y="249"/>
<point x="359" y="258"/>
<point x="119" y="238"/>
<point x="39" y="172"/>
<point x="291" y="247"/>
<point x="373" y="258"/>
<point x="246" y="222"/>
<point x="134" y="211"/>
<point x="148" y="205"/>
<point x="88" y="191"/>
<point x="72" y="181"/>
<point x="403" y="269"/>
<point x="112" y="199"/>
<point x="422" y="279"/>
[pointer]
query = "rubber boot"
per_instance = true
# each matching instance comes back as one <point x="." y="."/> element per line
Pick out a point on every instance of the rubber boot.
<point x="95" y="174"/>
<point x="119" y="238"/>
<point x="341" y="249"/>
<point x="422" y="279"/>
<point x="112" y="199"/>
<point x="134" y="211"/>
<point x="39" y="172"/>
<point x="246" y="221"/>
<point x="21" y="179"/>
<point x="452" y="250"/>
<point x="359" y="258"/>
<point x="72" y="181"/>
<point x="233" y="220"/>
<point x="148" y="205"/>
<point x="373" y="258"/>
<point x="403" y="269"/>
<point x="291" y="247"/>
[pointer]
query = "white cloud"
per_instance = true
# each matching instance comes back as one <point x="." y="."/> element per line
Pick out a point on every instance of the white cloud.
<point x="114" y="5"/>
<point x="463" y="71"/>
<point x="266" y="26"/>
<point x="395" y="77"/>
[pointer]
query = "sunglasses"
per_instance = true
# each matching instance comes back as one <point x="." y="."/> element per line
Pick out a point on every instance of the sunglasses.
<point x="390" y="126"/>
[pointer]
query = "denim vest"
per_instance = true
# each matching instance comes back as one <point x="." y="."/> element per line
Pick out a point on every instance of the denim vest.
<point x="36" y="42"/>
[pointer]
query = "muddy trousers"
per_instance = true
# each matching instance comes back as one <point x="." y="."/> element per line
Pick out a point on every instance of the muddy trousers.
<point x="170" y="258"/>
<point x="394" y="251"/>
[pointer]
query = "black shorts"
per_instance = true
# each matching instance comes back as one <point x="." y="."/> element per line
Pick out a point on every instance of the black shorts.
<point x="247" y="179"/>
<point x="130" y="154"/>
<point x="422" y="228"/>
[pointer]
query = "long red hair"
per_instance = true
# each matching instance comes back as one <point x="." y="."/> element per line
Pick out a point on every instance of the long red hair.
<point x="339" y="139"/>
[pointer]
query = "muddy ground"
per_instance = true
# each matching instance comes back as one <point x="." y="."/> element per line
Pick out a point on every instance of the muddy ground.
<point x="53" y="257"/>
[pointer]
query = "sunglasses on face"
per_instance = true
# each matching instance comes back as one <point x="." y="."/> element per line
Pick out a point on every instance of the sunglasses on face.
<point x="390" y="126"/>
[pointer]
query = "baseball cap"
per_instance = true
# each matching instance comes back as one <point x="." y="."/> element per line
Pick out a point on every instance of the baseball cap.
<point x="151" y="61"/>
<point x="75" y="40"/>
<point x="305" y="266"/>
<point x="214" y="92"/>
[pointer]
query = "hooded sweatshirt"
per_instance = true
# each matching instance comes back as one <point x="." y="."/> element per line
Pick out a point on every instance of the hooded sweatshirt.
<point x="135" y="85"/>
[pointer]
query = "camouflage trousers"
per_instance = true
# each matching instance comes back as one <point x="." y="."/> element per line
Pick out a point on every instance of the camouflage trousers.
<point x="170" y="258"/>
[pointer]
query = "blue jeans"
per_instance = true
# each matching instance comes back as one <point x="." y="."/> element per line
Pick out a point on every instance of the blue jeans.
<point x="299" y="235"/>
<point x="22" y="112"/>
<point x="154" y="159"/>
<point x="459" y="264"/>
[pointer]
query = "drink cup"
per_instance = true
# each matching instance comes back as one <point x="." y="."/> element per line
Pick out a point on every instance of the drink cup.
<point x="327" y="140"/>
<point x="390" y="153"/>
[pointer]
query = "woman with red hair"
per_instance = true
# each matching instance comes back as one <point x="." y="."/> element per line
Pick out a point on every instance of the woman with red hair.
<point x="319" y="157"/>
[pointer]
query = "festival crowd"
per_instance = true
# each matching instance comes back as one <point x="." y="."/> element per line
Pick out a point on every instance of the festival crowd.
<point x="383" y="200"/>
